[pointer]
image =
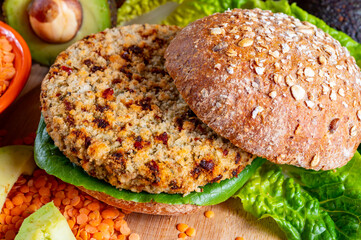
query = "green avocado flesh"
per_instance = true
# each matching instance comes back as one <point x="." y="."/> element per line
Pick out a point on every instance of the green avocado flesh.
<point x="96" y="17"/>
<point x="48" y="157"/>
<point x="45" y="224"/>
<point x="14" y="161"/>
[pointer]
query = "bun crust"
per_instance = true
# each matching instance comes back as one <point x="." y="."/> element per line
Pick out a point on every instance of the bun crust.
<point x="274" y="86"/>
<point x="147" y="208"/>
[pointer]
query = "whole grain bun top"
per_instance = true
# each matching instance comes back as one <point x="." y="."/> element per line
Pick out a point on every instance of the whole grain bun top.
<point x="273" y="85"/>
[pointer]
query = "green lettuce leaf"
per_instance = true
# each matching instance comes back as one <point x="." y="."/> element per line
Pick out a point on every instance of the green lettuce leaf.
<point x="191" y="10"/>
<point x="48" y="157"/>
<point x="269" y="194"/>
<point x="339" y="193"/>
<point x="132" y="9"/>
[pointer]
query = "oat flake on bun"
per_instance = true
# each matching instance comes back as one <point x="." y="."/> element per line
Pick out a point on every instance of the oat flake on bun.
<point x="273" y="85"/>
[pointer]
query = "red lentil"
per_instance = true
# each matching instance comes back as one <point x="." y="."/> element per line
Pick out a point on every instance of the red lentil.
<point x="182" y="235"/>
<point x="87" y="217"/>
<point x="182" y="227"/>
<point x="190" y="232"/>
<point x="134" y="236"/>
<point x="209" y="214"/>
<point x="83" y="213"/>
<point x="7" y="69"/>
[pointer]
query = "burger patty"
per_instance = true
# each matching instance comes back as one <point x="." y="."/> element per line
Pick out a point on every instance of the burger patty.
<point x="111" y="108"/>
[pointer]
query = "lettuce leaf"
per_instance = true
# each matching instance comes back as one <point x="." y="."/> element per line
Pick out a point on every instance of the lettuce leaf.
<point x="191" y="10"/>
<point x="132" y="9"/>
<point x="307" y="196"/>
<point x="339" y="193"/>
<point x="48" y="157"/>
<point x="269" y="194"/>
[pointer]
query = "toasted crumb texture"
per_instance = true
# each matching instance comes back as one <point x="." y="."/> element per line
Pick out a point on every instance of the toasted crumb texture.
<point x="276" y="87"/>
<point x="112" y="109"/>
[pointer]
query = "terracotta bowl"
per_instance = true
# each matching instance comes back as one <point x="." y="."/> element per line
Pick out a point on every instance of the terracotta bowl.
<point x="22" y="64"/>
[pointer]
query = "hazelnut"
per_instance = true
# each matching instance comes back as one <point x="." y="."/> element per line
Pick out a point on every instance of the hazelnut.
<point x="55" y="21"/>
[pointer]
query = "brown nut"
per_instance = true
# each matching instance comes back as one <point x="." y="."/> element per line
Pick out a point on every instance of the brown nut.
<point x="55" y="21"/>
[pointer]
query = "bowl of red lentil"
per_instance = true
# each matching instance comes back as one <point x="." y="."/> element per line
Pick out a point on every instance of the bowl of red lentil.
<point x="15" y="65"/>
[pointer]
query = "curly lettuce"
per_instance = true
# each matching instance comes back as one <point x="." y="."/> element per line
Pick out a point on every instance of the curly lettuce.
<point x="133" y="9"/>
<point x="191" y="10"/>
<point x="339" y="194"/>
<point x="307" y="204"/>
<point x="269" y="194"/>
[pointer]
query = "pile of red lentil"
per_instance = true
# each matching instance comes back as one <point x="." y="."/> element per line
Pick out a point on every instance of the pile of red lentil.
<point x="7" y="69"/>
<point x="88" y="218"/>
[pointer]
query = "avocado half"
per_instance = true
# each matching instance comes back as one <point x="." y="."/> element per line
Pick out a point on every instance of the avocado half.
<point x="96" y="17"/>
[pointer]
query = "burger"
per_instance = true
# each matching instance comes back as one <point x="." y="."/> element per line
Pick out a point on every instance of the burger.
<point x="112" y="109"/>
<point x="162" y="120"/>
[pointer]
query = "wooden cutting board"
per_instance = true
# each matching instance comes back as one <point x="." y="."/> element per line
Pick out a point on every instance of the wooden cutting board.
<point x="230" y="220"/>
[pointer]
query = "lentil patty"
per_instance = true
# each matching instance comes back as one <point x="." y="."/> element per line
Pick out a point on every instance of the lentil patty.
<point x="111" y="108"/>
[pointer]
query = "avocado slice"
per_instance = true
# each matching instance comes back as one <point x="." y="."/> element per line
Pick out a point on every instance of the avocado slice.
<point x="96" y="18"/>
<point x="45" y="224"/>
<point x="14" y="161"/>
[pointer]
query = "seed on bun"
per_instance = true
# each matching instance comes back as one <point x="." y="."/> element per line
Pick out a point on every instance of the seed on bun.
<point x="276" y="87"/>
